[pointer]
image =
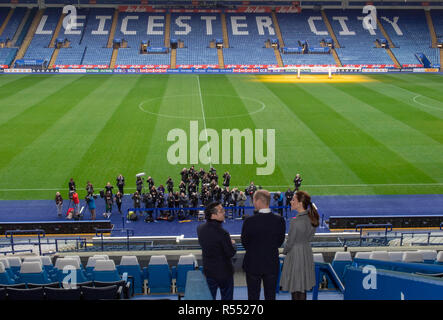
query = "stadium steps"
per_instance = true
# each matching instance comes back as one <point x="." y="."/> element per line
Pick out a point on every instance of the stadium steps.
<point x="385" y="34"/>
<point x="57" y="31"/>
<point x="53" y="58"/>
<point x="173" y="58"/>
<point x="113" y="58"/>
<point x="20" y="28"/>
<point x="391" y="44"/>
<point x="441" y="59"/>
<point x="393" y="58"/>
<point x="113" y="28"/>
<point x="27" y="41"/>
<point x="278" y="31"/>
<point x="221" y="60"/>
<point x="431" y="28"/>
<point x="330" y="30"/>
<point x="336" y="57"/>
<point x="5" y="23"/>
<point x="168" y="31"/>
<point x="224" y="30"/>
<point x="278" y="57"/>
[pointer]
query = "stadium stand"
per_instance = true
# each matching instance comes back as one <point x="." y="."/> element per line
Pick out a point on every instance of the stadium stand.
<point x="357" y="45"/>
<point x="246" y="31"/>
<point x="159" y="275"/>
<point x="196" y="31"/>
<point x="410" y="34"/>
<point x="310" y="28"/>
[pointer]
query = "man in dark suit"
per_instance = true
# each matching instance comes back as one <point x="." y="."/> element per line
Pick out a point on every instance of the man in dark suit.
<point x="262" y="235"/>
<point x="217" y="252"/>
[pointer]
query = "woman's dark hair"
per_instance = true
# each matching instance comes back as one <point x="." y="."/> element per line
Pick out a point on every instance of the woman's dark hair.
<point x="211" y="209"/>
<point x="305" y="199"/>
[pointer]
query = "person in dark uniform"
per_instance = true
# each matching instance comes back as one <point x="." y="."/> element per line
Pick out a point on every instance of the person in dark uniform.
<point x="226" y="179"/>
<point x="171" y="203"/>
<point x="137" y="199"/>
<point x="288" y="196"/>
<point x="170" y="185"/>
<point x="149" y="204"/>
<point x="250" y="190"/>
<point x="89" y="189"/>
<point x="72" y="189"/>
<point x="297" y="182"/>
<point x="109" y="188"/>
<point x="120" y="183"/>
<point x="119" y="201"/>
<point x="109" y="201"/>
<point x="218" y="249"/>
<point x="150" y="182"/>
<point x="139" y="185"/>
<point x="262" y="234"/>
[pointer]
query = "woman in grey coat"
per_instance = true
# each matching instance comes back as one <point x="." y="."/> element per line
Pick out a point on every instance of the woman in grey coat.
<point x="298" y="274"/>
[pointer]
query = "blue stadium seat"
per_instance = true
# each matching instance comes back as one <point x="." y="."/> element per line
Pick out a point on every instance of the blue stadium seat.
<point x="8" y="269"/>
<point x="363" y="255"/>
<point x="340" y="262"/>
<point x="130" y="265"/>
<point x="15" y="263"/>
<point x="62" y="294"/>
<point x="159" y="275"/>
<point x="46" y="265"/>
<point x="4" y="276"/>
<point x="412" y="256"/>
<point x="439" y="259"/>
<point x="33" y="294"/>
<point x="32" y="272"/>
<point x="106" y="271"/>
<point x="91" y="265"/>
<point x="379" y="255"/>
<point x="68" y="264"/>
<point x="429" y="256"/>
<point x="395" y="256"/>
<point x="185" y="264"/>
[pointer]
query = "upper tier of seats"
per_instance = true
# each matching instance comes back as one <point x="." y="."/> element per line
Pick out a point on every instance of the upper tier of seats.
<point x="247" y="33"/>
<point x="409" y="32"/>
<point x="357" y="45"/>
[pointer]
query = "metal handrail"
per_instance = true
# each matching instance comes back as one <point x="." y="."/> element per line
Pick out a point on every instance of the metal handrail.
<point x="40" y="234"/>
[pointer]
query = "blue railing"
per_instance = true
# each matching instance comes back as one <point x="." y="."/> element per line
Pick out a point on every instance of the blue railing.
<point x="369" y="226"/>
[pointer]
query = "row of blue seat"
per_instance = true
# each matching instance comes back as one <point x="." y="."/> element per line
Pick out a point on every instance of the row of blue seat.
<point x="158" y="274"/>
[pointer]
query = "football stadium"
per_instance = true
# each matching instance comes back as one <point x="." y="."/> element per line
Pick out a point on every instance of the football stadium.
<point x="234" y="150"/>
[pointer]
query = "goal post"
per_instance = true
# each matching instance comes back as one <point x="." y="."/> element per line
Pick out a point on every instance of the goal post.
<point x="329" y="70"/>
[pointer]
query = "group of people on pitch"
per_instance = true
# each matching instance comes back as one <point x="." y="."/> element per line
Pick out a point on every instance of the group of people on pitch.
<point x="262" y="235"/>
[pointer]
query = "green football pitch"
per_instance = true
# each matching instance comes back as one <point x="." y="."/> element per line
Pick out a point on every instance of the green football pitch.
<point x="378" y="134"/>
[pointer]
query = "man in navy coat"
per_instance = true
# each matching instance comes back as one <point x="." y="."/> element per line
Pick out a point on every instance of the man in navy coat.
<point x="262" y="235"/>
<point x="217" y="252"/>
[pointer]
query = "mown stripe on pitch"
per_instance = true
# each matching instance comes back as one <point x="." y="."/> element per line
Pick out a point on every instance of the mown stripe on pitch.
<point x="214" y="85"/>
<point x="431" y="88"/>
<point x="370" y="160"/>
<point x="121" y="145"/>
<point x="318" y="163"/>
<point x="180" y="104"/>
<point x="59" y="148"/>
<point x="299" y="150"/>
<point x="26" y="127"/>
<point x="13" y="87"/>
<point x="18" y="103"/>
<point x="413" y="117"/>
<point x="418" y="101"/>
<point x="412" y="145"/>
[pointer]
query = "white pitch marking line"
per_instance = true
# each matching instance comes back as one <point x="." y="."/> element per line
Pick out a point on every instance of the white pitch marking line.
<point x="424" y="104"/>
<point x="204" y="117"/>
<point x="285" y="186"/>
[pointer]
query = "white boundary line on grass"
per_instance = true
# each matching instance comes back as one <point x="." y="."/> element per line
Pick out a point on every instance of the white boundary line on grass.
<point x="285" y="186"/>
<point x="424" y="104"/>
<point x="203" y="113"/>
